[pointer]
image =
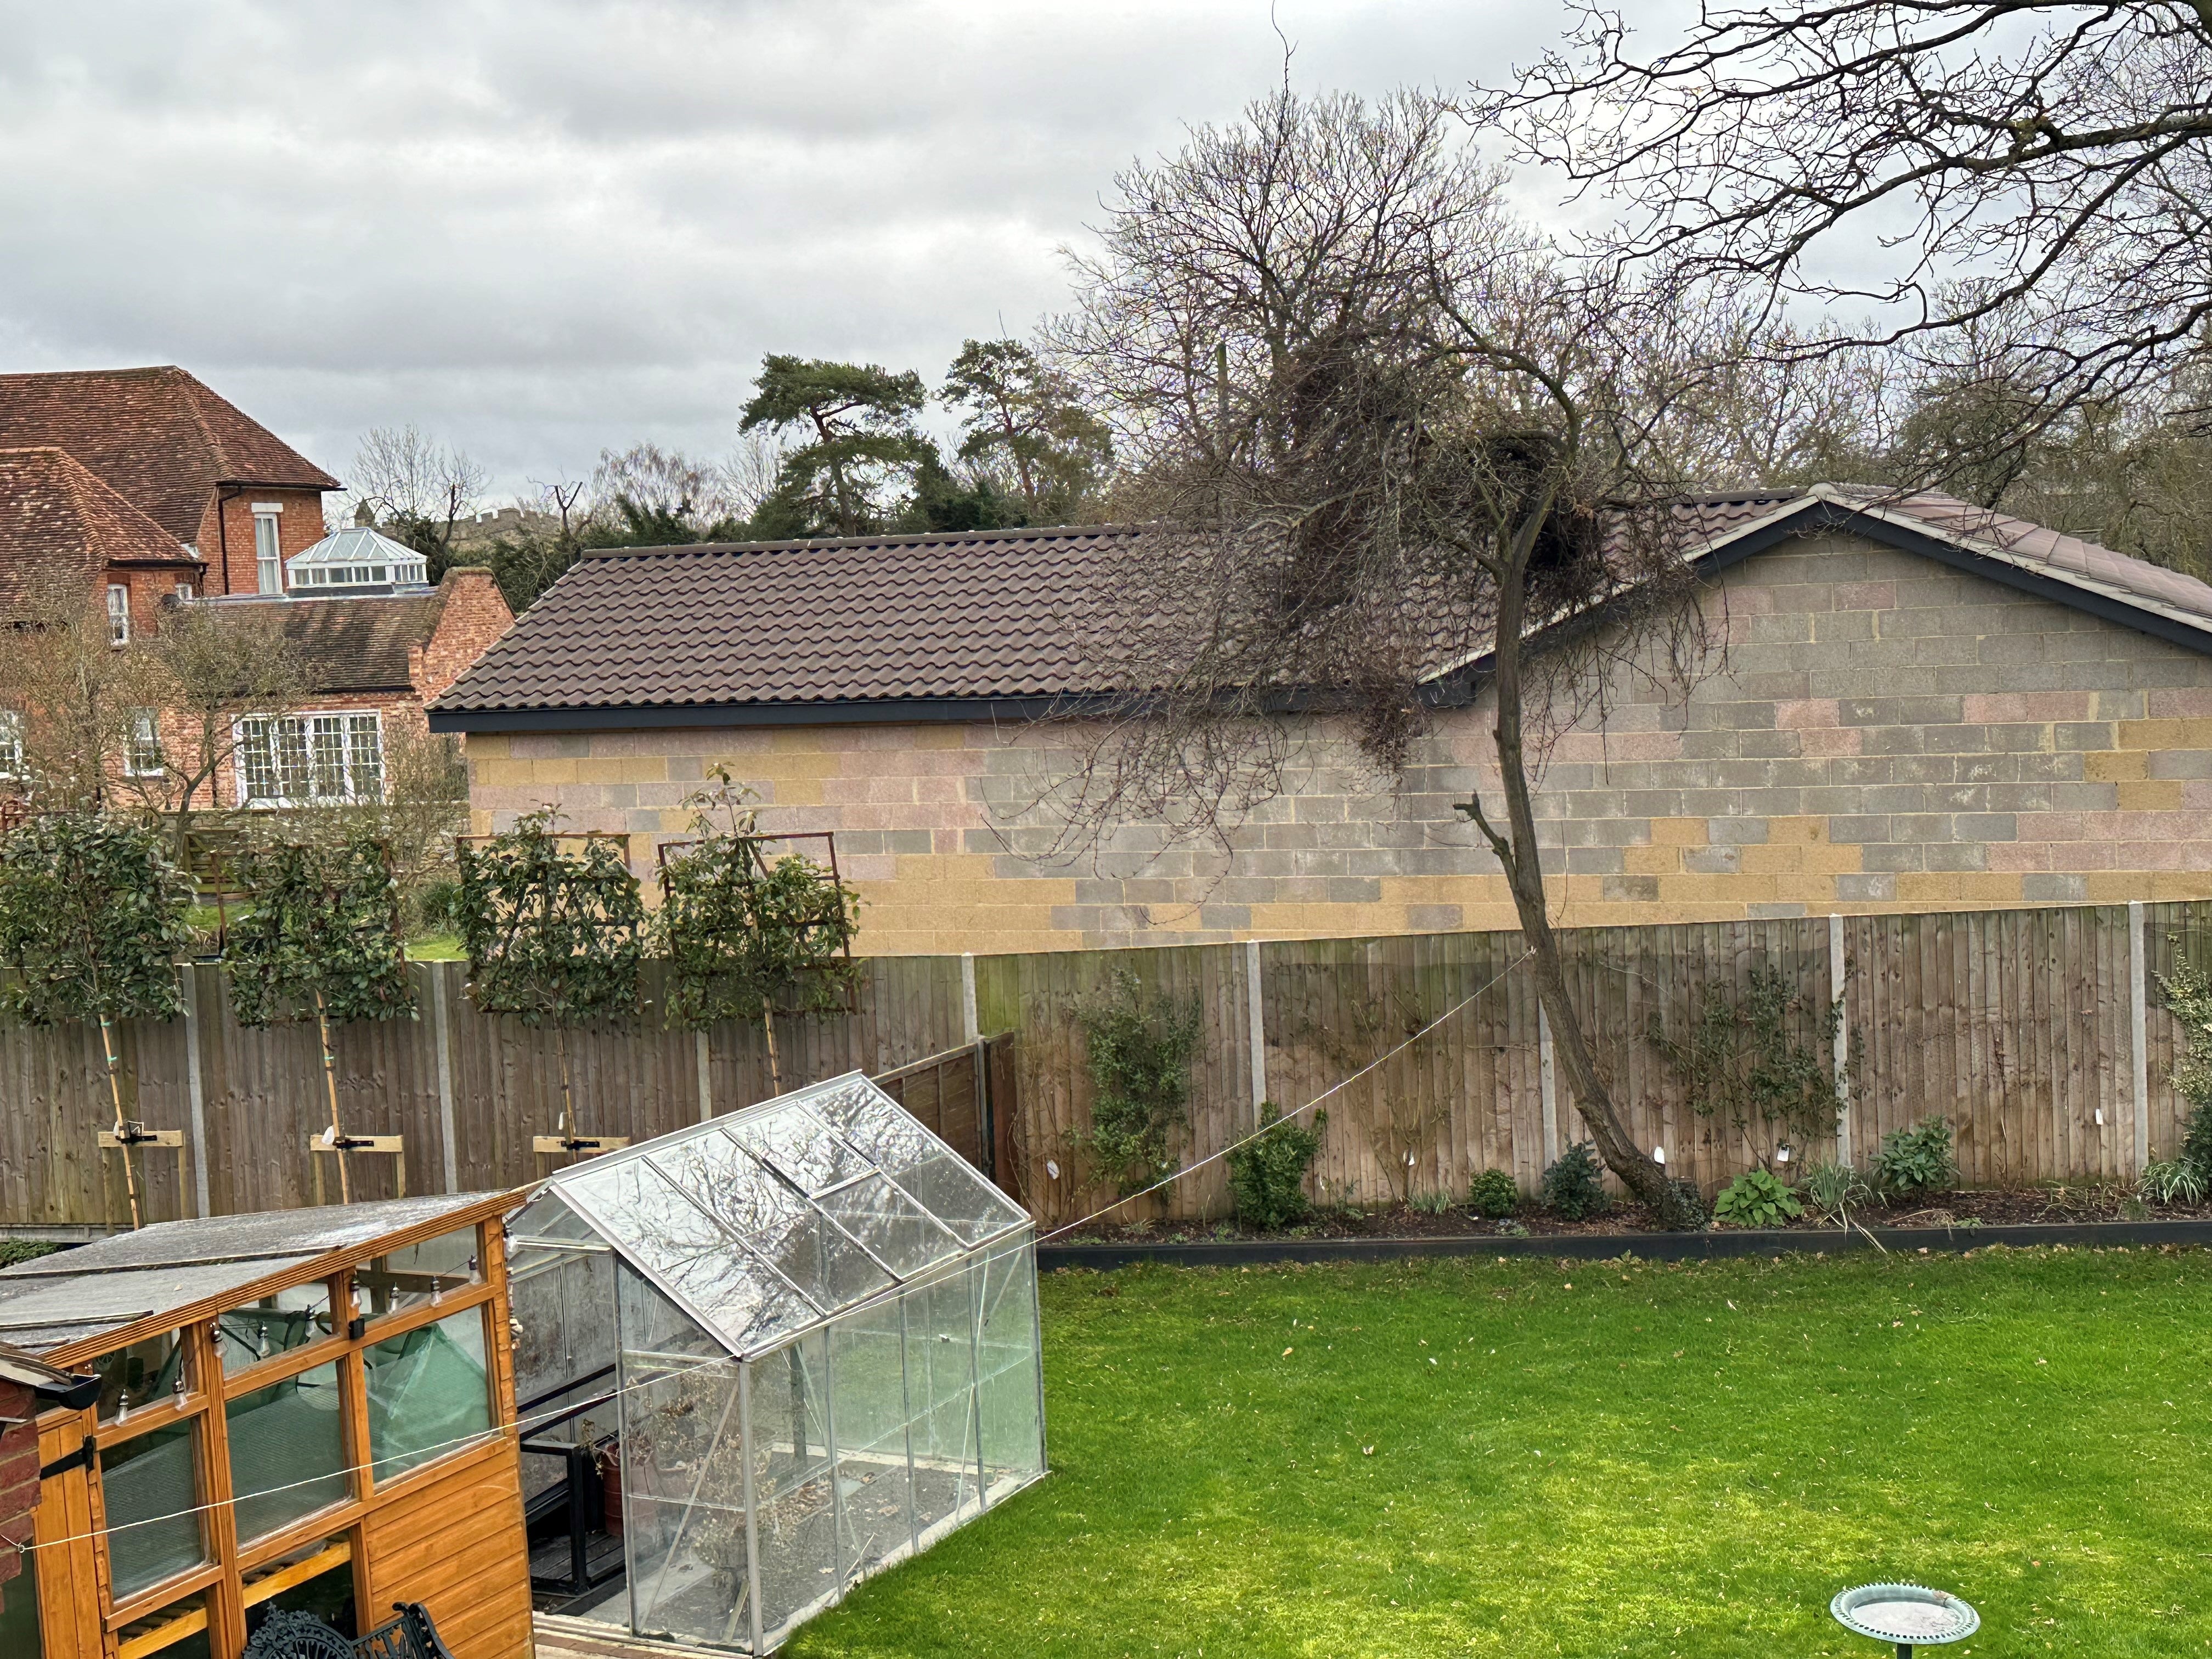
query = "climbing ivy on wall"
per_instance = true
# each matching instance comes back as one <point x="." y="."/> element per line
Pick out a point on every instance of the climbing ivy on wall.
<point x="1745" y="1057"/>
<point x="92" y="920"/>
<point x="553" y="925"/>
<point x="324" y="922"/>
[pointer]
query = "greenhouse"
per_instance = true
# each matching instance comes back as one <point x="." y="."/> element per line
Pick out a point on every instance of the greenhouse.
<point x="825" y="1352"/>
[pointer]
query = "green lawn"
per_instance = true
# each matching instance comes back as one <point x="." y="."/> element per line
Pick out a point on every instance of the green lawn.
<point x="1472" y="1458"/>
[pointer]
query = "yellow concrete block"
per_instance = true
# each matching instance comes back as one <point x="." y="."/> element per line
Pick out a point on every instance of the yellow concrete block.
<point x="2170" y="885"/>
<point x="1834" y="859"/>
<point x="1656" y="861"/>
<point x="1796" y="832"/>
<point x="1928" y="887"/>
<point x="1773" y="860"/>
<point x="491" y="772"/>
<point x="1678" y="832"/>
<point x="1716" y="889"/>
<point x="793" y="791"/>
<point x="2115" y="886"/>
<point x="1988" y="886"/>
<point x="485" y="745"/>
<point x="2164" y="734"/>
<point x="553" y="771"/>
<point x="2113" y="765"/>
<point x="2151" y="795"/>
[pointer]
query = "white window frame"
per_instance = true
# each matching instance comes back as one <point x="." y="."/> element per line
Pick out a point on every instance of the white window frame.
<point x="184" y="592"/>
<point x="141" y="747"/>
<point x="119" y="613"/>
<point x="269" y="563"/>
<point x="321" y="744"/>
<point x="11" y="744"/>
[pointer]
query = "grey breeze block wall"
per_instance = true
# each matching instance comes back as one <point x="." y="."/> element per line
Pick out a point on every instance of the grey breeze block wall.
<point x="1880" y="732"/>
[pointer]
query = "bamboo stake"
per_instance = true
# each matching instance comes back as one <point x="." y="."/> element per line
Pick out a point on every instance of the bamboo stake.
<point x="561" y="1049"/>
<point x="115" y="1094"/>
<point x="768" y="1025"/>
<point x="331" y="1086"/>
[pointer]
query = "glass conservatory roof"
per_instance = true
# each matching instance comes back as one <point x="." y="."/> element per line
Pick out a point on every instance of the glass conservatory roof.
<point x="356" y="556"/>
<point x="773" y="1219"/>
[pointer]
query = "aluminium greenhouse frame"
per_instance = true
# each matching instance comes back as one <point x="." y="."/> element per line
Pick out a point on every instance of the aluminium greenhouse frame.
<point x="827" y="1353"/>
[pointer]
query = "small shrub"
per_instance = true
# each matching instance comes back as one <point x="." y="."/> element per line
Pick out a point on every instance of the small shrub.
<point x="1492" y="1194"/>
<point x="1832" y="1188"/>
<point x="1917" y="1159"/>
<point x="2196" y="1140"/>
<point x="2172" y="1181"/>
<point x="13" y="1250"/>
<point x="1573" y="1187"/>
<point x="1757" y="1197"/>
<point x="1431" y="1203"/>
<point x="1139" y="1050"/>
<point x="1267" y="1173"/>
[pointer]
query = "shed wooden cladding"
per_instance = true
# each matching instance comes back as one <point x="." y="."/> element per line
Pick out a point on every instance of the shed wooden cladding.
<point x="442" y="1525"/>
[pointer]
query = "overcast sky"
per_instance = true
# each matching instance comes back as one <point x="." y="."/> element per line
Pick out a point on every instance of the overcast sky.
<point x="535" y="228"/>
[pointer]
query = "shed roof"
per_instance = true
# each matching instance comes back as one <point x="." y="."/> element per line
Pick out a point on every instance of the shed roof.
<point x="962" y="626"/>
<point x="53" y="1300"/>
<point x="770" y="1221"/>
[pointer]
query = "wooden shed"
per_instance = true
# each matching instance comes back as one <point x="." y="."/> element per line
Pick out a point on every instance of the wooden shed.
<point x="311" y="1409"/>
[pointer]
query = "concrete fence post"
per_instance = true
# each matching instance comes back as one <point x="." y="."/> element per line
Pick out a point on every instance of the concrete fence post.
<point x="1838" y="968"/>
<point x="971" y="1027"/>
<point x="2138" y="1035"/>
<point x="1255" y="1024"/>
<point x="195" y="1091"/>
<point x="449" y="1139"/>
<point x="702" y="1058"/>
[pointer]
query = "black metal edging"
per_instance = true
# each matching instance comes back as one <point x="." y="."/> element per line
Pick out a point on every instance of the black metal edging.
<point x="1649" y="1247"/>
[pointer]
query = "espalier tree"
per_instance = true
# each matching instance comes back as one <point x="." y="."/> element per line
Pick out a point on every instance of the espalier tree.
<point x="746" y="936"/>
<point x="555" y="929"/>
<point x="323" y="937"/>
<point x="92" y="924"/>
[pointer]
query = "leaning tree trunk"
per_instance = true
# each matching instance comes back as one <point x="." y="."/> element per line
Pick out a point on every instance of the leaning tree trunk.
<point x="1517" y="849"/>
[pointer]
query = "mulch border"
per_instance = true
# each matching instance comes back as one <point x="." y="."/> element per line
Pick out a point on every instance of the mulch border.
<point x="1650" y="1247"/>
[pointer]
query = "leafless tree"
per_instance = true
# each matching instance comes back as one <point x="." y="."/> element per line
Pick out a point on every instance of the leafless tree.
<point x="1394" y="450"/>
<point x="75" y="695"/>
<point x="417" y="488"/>
<point x="203" y="674"/>
<point x="2039" y="166"/>
<point x="752" y="470"/>
<point x="645" y="487"/>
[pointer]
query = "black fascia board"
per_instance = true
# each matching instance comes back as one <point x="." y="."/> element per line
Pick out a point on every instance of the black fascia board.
<point x="879" y="711"/>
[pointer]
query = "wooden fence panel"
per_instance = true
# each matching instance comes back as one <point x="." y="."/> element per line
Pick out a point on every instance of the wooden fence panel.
<point x="2015" y="1024"/>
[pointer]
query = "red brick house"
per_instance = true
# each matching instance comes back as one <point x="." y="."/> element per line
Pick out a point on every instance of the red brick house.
<point x="28" y="1386"/>
<point x="214" y="480"/>
<point x="150" y="490"/>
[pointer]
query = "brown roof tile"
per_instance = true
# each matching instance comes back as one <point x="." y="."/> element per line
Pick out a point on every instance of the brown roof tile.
<point x="357" y="642"/>
<point x="978" y="614"/>
<point x="59" y="522"/>
<point x="157" y="435"/>
<point x="995" y="613"/>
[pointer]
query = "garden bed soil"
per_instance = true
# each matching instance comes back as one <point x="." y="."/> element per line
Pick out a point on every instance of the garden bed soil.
<point x="2007" y="1207"/>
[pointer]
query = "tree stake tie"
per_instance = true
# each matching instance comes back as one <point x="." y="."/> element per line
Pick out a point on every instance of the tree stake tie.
<point x="337" y="1135"/>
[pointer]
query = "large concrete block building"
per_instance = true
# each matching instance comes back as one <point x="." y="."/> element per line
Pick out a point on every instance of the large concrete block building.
<point x="1910" y="705"/>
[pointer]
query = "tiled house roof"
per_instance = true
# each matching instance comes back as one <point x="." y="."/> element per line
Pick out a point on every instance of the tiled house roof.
<point x="157" y="436"/>
<point x="900" y="627"/>
<point x="59" y="522"/>
<point x="362" y="642"/>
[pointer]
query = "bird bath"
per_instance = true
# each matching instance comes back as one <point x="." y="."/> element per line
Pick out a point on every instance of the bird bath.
<point x="1906" y="1615"/>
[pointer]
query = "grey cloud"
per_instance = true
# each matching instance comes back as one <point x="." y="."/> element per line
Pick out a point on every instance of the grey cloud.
<point x="536" y="228"/>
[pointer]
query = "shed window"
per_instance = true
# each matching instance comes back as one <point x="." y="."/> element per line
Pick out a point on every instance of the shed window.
<point x="420" y="1273"/>
<point x="429" y="1393"/>
<point x="287" y="1452"/>
<point x="277" y="1324"/>
<point x="153" y="1521"/>
<point x="141" y="1375"/>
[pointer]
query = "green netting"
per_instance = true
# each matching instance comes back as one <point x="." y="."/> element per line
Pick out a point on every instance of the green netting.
<point x="427" y="1391"/>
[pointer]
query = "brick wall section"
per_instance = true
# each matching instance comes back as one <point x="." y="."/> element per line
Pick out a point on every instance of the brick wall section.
<point x="18" y="1477"/>
<point x="226" y="537"/>
<point x="1883" y="733"/>
<point x="473" y="617"/>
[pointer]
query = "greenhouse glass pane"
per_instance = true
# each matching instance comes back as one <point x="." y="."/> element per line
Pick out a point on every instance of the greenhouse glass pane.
<point x="890" y="1225"/>
<point x="868" y="1394"/>
<point x="140" y="1480"/>
<point x="945" y="1185"/>
<point x="682" y="1483"/>
<point x="794" y="1238"/>
<point x="428" y="1393"/>
<point x="1007" y="1383"/>
<point x="144" y="1372"/>
<point x="287" y="1452"/>
<point x="800" y="1146"/>
<point x="794" y="1516"/>
<point x="669" y="1235"/>
<point x="549" y="1216"/>
<point x="940" y="1380"/>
